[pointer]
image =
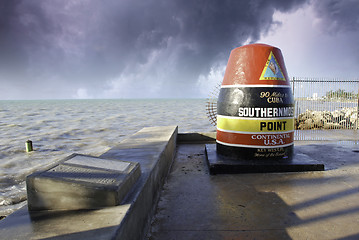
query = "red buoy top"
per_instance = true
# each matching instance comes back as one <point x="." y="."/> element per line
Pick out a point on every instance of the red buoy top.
<point x="256" y="64"/>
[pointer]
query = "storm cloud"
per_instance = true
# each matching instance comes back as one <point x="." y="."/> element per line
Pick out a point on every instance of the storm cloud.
<point x="133" y="48"/>
<point x="338" y="16"/>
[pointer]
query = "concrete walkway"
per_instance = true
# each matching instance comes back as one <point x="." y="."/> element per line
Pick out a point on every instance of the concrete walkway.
<point x="308" y="205"/>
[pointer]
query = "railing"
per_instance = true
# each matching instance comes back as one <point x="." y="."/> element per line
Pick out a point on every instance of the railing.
<point x="324" y="104"/>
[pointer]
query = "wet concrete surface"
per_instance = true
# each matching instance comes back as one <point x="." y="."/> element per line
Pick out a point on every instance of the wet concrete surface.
<point x="306" y="205"/>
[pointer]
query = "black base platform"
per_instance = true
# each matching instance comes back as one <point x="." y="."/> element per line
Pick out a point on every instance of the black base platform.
<point x="219" y="164"/>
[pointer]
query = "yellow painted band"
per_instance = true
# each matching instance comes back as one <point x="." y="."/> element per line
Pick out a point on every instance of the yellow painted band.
<point x="255" y="125"/>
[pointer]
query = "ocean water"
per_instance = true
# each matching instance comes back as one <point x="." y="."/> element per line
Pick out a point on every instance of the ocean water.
<point x="59" y="128"/>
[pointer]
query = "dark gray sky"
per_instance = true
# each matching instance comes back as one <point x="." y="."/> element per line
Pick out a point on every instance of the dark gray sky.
<point x="163" y="48"/>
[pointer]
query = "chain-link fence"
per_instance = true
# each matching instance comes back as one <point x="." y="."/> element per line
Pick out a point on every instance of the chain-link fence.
<point x="322" y="104"/>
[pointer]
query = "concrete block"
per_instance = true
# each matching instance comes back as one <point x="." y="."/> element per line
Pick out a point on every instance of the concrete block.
<point x="81" y="182"/>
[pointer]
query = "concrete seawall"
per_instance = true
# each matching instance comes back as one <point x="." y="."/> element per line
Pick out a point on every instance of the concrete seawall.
<point x="153" y="148"/>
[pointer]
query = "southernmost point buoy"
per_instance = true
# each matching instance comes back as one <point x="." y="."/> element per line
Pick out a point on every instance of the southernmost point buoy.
<point x="255" y="108"/>
<point x="255" y="117"/>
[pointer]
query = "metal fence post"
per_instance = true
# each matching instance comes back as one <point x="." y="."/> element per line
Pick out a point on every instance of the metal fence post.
<point x="293" y="85"/>
<point x="357" y="110"/>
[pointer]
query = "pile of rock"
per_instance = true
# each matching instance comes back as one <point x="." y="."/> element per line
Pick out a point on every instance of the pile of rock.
<point x="345" y="118"/>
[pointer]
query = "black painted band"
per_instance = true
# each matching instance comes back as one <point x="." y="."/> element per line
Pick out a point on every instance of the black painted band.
<point x="230" y="100"/>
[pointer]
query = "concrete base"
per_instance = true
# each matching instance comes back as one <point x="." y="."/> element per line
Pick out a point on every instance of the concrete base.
<point x="81" y="182"/>
<point x="219" y="164"/>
